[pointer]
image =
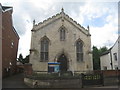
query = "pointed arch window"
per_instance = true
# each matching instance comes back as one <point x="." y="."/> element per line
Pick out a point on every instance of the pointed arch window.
<point x="62" y="34"/>
<point x="79" y="50"/>
<point x="44" y="49"/>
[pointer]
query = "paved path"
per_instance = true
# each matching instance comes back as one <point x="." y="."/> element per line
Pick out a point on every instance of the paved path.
<point x="15" y="81"/>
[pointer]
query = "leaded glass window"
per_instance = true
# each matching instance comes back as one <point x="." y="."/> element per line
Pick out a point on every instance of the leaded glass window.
<point x="79" y="51"/>
<point x="44" y="49"/>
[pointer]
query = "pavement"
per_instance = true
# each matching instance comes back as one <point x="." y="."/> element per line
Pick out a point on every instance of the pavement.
<point x="17" y="82"/>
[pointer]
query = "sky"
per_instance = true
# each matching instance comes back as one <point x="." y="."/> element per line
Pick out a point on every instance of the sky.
<point x="101" y="16"/>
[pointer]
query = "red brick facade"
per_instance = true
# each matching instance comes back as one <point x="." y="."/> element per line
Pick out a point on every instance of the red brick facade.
<point x="10" y="41"/>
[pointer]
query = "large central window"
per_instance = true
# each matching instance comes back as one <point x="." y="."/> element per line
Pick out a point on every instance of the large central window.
<point x="79" y="50"/>
<point x="44" y="49"/>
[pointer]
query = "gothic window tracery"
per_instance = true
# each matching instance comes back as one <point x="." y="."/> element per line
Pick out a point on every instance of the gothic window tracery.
<point x="44" y="49"/>
<point x="79" y="50"/>
<point x="62" y="34"/>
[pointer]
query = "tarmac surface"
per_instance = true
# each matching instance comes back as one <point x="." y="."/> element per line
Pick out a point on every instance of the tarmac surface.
<point x="16" y="82"/>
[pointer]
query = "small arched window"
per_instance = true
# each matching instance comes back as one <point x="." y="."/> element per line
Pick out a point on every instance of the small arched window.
<point x="44" y="49"/>
<point x="79" y="50"/>
<point x="62" y="34"/>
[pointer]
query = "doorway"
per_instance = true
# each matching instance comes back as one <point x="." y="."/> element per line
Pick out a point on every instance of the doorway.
<point x="63" y="62"/>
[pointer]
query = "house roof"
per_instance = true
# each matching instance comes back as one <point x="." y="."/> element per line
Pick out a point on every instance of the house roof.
<point x="60" y="15"/>
<point x="16" y="33"/>
<point x="117" y="41"/>
<point x="6" y="8"/>
<point x="106" y="52"/>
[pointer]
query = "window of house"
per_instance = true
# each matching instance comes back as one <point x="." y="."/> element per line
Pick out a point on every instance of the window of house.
<point x="12" y="44"/>
<point x="116" y="67"/>
<point x="62" y="34"/>
<point x="44" y="49"/>
<point x="105" y="67"/>
<point x="79" y="51"/>
<point x="115" y="56"/>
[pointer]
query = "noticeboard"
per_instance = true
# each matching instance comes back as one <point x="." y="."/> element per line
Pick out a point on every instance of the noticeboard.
<point x="53" y="67"/>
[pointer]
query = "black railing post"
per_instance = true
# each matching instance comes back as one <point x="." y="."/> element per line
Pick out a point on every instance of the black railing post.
<point x="82" y="78"/>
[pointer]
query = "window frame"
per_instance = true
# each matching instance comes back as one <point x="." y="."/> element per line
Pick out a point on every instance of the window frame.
<point x="79" y="51"/>
<point x="62" y="34"/>
<point x="44" y="53"/>
<point x="115" y="56"/>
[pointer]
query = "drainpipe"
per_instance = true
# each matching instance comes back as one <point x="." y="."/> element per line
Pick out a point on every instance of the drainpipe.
<point x="111" y="60"/>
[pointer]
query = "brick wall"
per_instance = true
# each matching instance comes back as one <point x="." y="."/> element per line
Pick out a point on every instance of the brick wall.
<point x="9" y="44"/>
<point x="108" y="72"/>
<point x="28" y="69"/>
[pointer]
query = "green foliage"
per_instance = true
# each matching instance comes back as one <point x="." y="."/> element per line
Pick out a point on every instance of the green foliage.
<point x="26" y="59"/>
<point x="103" y="49"/>
<point x="23" y="60"/>
<point x="96" y="56"/>
<point x="20" y="59"/>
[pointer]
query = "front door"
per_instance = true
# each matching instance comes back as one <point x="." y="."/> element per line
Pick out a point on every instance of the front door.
<point x="63" y="62"/>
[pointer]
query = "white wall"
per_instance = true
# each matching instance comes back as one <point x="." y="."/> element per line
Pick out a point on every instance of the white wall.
<point x="115" y="50"/>
<point x="105" y="61"/>
<point x="119" y="53"/>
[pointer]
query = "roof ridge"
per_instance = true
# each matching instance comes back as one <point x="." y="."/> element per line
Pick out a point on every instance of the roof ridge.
<point x="75" y="21"/>
<point x="47" y="19"/>
<point x="62" y="12"/>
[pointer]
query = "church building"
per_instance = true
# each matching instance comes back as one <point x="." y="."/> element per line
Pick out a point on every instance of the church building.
<point x="60" y="41"/>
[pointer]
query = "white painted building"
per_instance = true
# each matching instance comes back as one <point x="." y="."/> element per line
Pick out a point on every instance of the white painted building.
<point x="109" y="59"/>
<point x="119" y="52"/>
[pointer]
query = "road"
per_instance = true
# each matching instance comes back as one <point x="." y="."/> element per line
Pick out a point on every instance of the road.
<point x="15" y="81"/>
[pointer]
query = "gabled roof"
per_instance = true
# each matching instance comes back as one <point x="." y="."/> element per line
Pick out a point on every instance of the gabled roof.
<point x="106" y="52"/>
<point x="117" y="41"/>
<point x="60" y="15"/>
<point x="16" y="33"/>
<point x="6" y="8"/>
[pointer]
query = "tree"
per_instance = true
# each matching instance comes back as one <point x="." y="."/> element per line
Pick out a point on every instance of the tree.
<point x="96" y="56"/>
<point x="20" y="59"/>
<point x="96" y="59"/>
<point x="103" y="49"/>
<point x="26" y="59"/>
<point x="23" y="60"/>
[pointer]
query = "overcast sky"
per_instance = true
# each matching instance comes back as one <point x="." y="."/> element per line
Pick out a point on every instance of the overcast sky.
<point x="102" y="18"/>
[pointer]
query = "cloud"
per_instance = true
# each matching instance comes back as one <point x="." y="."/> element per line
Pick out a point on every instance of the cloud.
<point x="24" y="42"/>
<point x="104" y="34"/>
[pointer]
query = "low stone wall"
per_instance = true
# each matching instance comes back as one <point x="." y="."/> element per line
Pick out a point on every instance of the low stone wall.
<point x="62" y="83"/>
<point x="66" y="82"/>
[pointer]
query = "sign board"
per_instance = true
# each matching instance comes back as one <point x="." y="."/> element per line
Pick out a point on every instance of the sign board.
<point x="53" y="66"/>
